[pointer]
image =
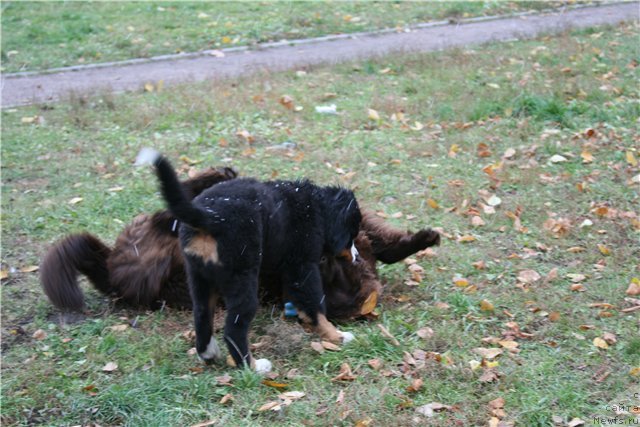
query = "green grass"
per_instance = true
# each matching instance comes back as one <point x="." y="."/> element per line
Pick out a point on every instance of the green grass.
<point x="538" y="102"/>
<point x="41" y="35"/>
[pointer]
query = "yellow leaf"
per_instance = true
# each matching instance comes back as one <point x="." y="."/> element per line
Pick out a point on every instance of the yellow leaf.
<point x="460" y="282"/>
<point x="486" y="305"/>
<point x="604" y="250"/>
<point x="466" y="239"/>
<point x="373" y="114"/>
<point x="148" y="87"/>
<point x="29" y="269"/>
<point x="226" y="39"/>
<point x="75" y="200"/>
<point x="274" y="384"/>
<point x="634" y="287"/>
<point x="4" y="274"/>
<point x="433" y="204"/>
<point x="635" y="372"/>
<point x="600" y="343"/>
<point x="369" y="304"/>
<point x="587" y="157"/>
<point x="631" y="159"/>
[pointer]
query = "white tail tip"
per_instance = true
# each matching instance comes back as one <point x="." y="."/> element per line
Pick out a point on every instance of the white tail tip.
<point x="147" y="156"/>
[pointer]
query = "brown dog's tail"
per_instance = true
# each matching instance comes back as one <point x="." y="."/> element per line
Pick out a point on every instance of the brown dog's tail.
<point x="77" y="253"/>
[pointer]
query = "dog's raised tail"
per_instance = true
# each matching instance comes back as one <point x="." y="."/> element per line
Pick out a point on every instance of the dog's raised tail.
<point x="77" y="253"/>
<point x="172" y="190"/>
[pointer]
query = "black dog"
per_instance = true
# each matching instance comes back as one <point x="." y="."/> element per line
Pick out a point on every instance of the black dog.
<point x="237" y="230"/>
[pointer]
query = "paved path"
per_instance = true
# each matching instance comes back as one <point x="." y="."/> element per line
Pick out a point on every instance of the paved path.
<point x="31" y="88"/>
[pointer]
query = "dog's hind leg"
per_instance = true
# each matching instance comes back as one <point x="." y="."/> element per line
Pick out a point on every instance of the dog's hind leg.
<point x="241" y="301"/>
<point x="204" y="302"/>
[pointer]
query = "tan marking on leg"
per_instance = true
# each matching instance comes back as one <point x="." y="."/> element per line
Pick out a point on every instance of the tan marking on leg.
<point x="327" y="331"/>
<point x="205" y="247"/>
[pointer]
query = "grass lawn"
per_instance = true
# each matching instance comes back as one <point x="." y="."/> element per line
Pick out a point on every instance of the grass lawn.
<point x="41" y="35"/>
<point x="525" y="154"/>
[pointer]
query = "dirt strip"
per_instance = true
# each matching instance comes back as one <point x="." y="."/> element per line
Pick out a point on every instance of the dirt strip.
<point x="32" y="88"/>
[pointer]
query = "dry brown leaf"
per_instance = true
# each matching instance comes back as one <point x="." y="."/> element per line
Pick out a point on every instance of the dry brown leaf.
<point x="330" y="346"/>
<point x="345" y="374"/>
<point x="270" y="406"/>
<point x="609" y="338"/>
<point x="39" y="335"/>
<point x="528" y="276"/>
<point x="386" y="333"/>
<point x="206" y="423"/>
<point x="227" y="398"/>
<point x="119" y="328"/>
<point x="488" y="353"/>
<point x="576" y="422"/>
<point x="317" y="347"/>
<point x="224" y="380"/>
<point x="415" y="386"/>
<point x="425" y="333"/>
<point x="634" y="287"/>
<point x="376" y="364"/>
<point x="29" y="269"/>
<point x="488" y="376"/>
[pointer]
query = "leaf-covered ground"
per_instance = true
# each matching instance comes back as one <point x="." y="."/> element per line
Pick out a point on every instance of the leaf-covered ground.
<point x="41" y="35"/>
<point x="525" y="154"/>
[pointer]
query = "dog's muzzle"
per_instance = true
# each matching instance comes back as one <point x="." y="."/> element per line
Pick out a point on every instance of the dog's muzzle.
<point x="350" y="254"/>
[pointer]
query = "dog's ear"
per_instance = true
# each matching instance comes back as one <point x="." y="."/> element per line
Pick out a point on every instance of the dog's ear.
<point x="342" y="218"/>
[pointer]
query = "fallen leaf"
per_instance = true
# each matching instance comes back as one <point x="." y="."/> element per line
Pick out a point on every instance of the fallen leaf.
<point x="4" y="274"/>
<point x="340" y="397"/>
<point x="609" y="338"/>
<point x="386" y="333"/>
<point x="634" y="287"/>
<point x="528" y="276"/>
<point x="274" y="384"/>
<point x="604" y="250"/>
<point x="508" y="344"/>
<point x="466" y="239"/>
<point x="224" y="380"/>
<point x="575" y="422"/>
<point x="486" y="305"/>
<point x="317" y="347"/>
<point x="460" y="282"/>
<point x="415" y="386"/>
<point x="376" y="364"/>
<point x="345" y="374"/>
<point x="227" y="398"/>
<point x="270" y="406"/>
<point x="433" y="204"/>
<point x="425" y="333"/>
<point x="631" y="159"/>
<point x="476" y="221"/>
<point x="287" y="102"/>
<point x="587" y="157"/>
<point x="119" y="328"/>
<point x="110" y="367"/>
<point x="429" y="409"/>
<point x="39" y="335"/>
<point x="488" y="376"/>
<point x="29" y="269"/>
<point x="330" y="346"/>
<point x="75" y="200"/>
<point x="373" y="114"/>
<point x="557" y="158"/>
<point x="600" y="343"/>
<point x="488" y="353"/>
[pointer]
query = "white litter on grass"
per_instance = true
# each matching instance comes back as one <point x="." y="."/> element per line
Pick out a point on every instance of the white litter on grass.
<point x="326" y="109"/>
<point x="347" y="337"/>
<point x="263" y="366"/>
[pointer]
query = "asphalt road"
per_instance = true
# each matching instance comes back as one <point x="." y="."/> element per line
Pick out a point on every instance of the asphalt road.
<point x="33" y="88"/>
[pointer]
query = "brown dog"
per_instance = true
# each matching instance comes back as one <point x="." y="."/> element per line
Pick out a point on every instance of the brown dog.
<point x="145" y="267"/>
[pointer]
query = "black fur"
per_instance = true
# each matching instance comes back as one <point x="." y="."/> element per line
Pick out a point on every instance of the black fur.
<point x="237" y="230"/>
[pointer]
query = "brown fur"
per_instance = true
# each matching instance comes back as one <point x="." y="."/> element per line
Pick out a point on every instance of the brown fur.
<point x="145" y="267"/>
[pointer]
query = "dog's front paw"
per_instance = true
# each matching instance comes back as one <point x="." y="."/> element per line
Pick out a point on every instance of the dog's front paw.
<point x="425" y="238"/>
<point x="212" y="353"/>
<point x="262" y="366"/>
<point x="347" y="337"/>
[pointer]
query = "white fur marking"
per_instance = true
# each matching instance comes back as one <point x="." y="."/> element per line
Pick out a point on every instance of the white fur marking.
<point x="147" y="156"/>
<point x="354" y="253"/>
<point x="347" y="337"/>
<point x="263" y="366"/>
<point x="212" y="351"/>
